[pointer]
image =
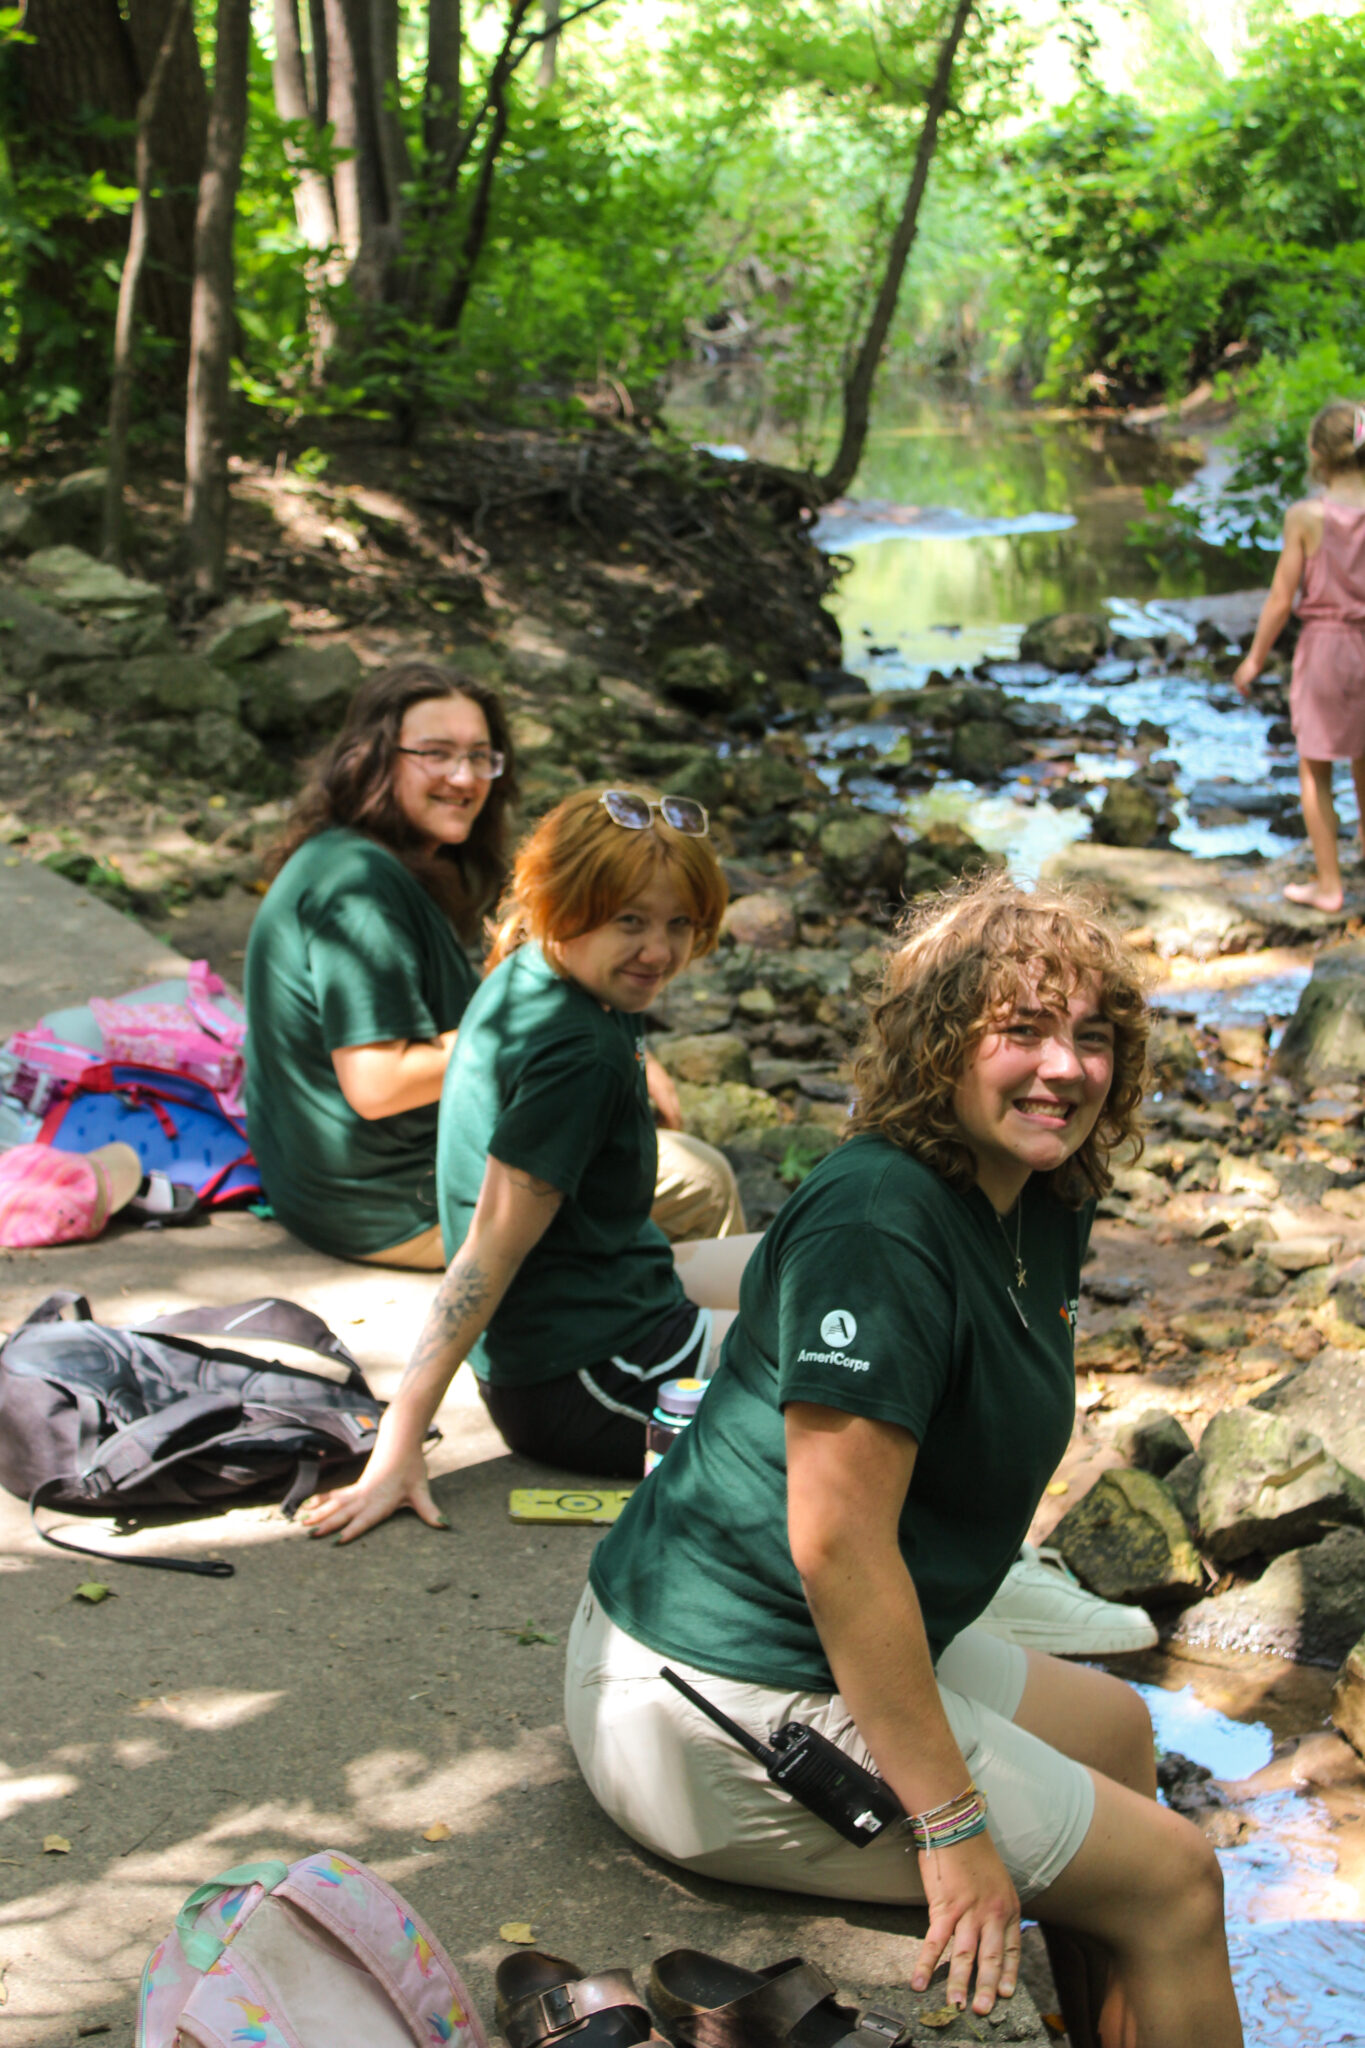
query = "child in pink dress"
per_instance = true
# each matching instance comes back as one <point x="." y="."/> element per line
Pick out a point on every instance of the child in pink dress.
<point x="1323" y="562"/>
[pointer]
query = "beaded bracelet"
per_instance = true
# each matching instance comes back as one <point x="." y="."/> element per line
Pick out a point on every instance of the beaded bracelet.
<point x="957" y="1820"/>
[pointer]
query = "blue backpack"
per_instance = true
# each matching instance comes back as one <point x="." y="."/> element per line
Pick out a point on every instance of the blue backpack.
<point x="176" y="1126"/>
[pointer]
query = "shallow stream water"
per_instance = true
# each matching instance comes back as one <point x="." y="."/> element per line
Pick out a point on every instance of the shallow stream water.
<point x="968" y="522"/>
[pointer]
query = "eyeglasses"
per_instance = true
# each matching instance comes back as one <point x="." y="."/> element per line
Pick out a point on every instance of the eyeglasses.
<point x="484" y="764"/>
<point x="626" y="807"/>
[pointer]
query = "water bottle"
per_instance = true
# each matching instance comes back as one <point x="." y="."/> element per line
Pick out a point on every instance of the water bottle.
<point x="678" y="1402"/>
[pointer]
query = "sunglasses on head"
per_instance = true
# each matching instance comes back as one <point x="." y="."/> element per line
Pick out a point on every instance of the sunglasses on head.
<point x="627" y="807"/>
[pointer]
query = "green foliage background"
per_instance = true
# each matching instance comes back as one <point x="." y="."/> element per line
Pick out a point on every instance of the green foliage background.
<point x="745" y="159"/>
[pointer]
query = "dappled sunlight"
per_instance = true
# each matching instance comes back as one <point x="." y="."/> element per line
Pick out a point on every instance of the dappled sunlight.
<point x="16" y="1793"/>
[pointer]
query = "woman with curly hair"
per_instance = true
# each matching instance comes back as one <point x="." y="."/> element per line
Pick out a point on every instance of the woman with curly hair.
<point x="892" y="1400"/>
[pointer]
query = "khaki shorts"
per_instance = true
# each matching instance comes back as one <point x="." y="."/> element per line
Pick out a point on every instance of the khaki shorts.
<point x="680" y="1787"/>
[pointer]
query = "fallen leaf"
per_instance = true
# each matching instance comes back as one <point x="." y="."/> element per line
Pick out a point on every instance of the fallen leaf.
<point x="56" y="1845"/>
<point x="94" y="1592"/>
<point x="517" y="1930"/>
<point x="1059" y="1486"/>
<point x="437" y="1832"/>
<point x="941" y="2016"/>
<point x="1199" y="1269"/>
<point x="529" y="1633"/>
<point x="217" y="803"/>
<point x="1054" y="2023"/>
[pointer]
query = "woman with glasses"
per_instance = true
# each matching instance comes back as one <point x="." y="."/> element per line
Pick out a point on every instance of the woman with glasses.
<point x="356" y="970"/>
<point x="563" y="1294"/>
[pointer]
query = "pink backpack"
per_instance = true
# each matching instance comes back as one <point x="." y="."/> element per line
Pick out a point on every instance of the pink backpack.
<point x="191" y="1027"/>
<point x="320" y="1954"/>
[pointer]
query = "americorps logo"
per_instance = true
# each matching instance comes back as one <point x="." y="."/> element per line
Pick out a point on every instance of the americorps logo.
<point x="839" y="1329"/>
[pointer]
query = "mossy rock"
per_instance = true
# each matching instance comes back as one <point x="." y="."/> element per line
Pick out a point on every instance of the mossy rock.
<point x="1126" y="1540"/>
<point x="721" y="1113"/>
<point x="705" y="678"/>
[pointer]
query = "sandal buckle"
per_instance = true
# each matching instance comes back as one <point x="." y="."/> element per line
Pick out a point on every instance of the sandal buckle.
<point x="886" y="2026"/>
<point x="558" y="2008"/>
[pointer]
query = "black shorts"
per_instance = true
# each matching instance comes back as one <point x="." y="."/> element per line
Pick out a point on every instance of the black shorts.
<point x="593" y="1421"/>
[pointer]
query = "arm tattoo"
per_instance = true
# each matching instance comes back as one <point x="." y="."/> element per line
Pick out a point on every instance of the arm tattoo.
<point x="461" y="1296"/>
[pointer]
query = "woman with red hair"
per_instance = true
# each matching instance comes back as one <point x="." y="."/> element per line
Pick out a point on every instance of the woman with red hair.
<point x="565" y="1297"/>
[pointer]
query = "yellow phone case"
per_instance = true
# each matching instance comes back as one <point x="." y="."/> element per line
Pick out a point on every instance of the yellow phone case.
<point x="578" y="1504"/>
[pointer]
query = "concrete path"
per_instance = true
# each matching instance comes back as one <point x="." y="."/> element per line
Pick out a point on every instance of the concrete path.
<point x="350" y="1698"/>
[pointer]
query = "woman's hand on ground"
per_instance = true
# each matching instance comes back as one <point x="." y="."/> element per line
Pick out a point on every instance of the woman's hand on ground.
<point x="351" y="1510"/>
<point x="973" y="1919"/>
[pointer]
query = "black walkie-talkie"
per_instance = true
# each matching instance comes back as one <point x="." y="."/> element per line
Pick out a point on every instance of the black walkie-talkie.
<point x="844" y="1793"/>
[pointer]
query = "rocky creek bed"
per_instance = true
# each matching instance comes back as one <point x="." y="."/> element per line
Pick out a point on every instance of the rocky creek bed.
<point x="664" y="619"/>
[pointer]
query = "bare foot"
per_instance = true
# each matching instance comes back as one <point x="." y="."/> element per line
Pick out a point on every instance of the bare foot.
<point x="1313" y="896"/>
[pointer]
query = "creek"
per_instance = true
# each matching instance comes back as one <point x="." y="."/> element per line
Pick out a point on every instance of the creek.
<point x="972" y="519"/>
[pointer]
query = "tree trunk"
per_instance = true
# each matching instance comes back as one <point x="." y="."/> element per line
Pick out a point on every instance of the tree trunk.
<point x="73" y="99"/>
<point x="317" y="61"/>
<point x="313" y="204"/>
<point x="125" y="323"/>
<point x="863" y="375"/>
<point x="549" y="49"/>
<point x="211" y="326"/>
<point x="441" y="96"/>
<point x="393" y="147"/>
<point x="361" y="191"/>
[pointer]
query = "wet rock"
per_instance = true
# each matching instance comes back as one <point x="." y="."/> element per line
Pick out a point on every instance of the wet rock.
<point x="1268" y="1485"/>
<point x="239" y="629"/>
<point x="1325" y="1038"/>
<point x="765" y="922"/>
<point x="721" y="1114"/>
<point x="1127" y="1540"/>
<point x="1264" y="1281"/>
<point x="1155" y="1443"/>
<point x="859" y="853"/>
<point x="1247" y="1177"/>
<point x="1188" y="1786"/>
<point x="766" y="782"/>
<point x="705" y="678"/>
<point x="706" y="1059"/>
<point x="211" y="747"/>
<point x="74" y="581"/>
<point x="923" y="877"/>
<point x="1326" y="1396"/>
<point x="939" y="704"/>
<point x="1348" y="1698"/>
<point x="1306" y="1605"/>
<point x="1066" y="640"/>
<point x="300" y="694"/>
<point x="954" y="849"/>
<point x="36" y="641"/>
<point x="983" y="748"/>
<point x="1131" y="815"/>
<point x="1199" y="907"/>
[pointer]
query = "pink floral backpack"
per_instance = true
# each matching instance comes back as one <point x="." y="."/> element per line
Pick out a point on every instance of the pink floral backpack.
<point x="320" y="1954"/>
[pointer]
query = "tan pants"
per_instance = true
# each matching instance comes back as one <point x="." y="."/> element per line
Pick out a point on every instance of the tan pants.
<point x="695" y="1196"/>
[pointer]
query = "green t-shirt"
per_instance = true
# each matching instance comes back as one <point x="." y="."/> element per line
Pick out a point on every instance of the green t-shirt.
<point x="880" y="1292"/>
<point x="347" y="949"/>
<point x="547" y="1079"/>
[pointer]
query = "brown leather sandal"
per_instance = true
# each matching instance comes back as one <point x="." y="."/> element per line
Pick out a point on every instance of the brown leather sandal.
<point x="542" y="1998"/>
<point x="705" y="2002"/>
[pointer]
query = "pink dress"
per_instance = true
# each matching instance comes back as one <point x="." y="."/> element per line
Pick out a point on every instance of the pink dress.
<point x="1327" y="694"/>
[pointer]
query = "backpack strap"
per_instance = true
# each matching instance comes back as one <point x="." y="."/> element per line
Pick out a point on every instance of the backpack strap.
<point x="200" y="1946"/>
<point x="205" y="1568"/>
<point x="266" y="1316"/>
<point x="400" y="1952"/>
<point x="54" y="1307"/>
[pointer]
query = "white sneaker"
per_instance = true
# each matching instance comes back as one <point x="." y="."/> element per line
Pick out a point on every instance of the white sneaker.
<point x="1042" y="1606"/>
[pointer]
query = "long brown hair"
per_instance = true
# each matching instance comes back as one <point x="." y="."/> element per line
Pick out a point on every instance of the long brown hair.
<point x="578" y="869"/>
<point x="351" y="783"/>
<point x="962" y="960"/>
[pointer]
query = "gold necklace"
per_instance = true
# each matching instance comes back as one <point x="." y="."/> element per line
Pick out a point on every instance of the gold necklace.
<point x="1020" y="1274"/>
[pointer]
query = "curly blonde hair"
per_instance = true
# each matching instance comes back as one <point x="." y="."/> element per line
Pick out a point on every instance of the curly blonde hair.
<point x="962" y="960"/>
